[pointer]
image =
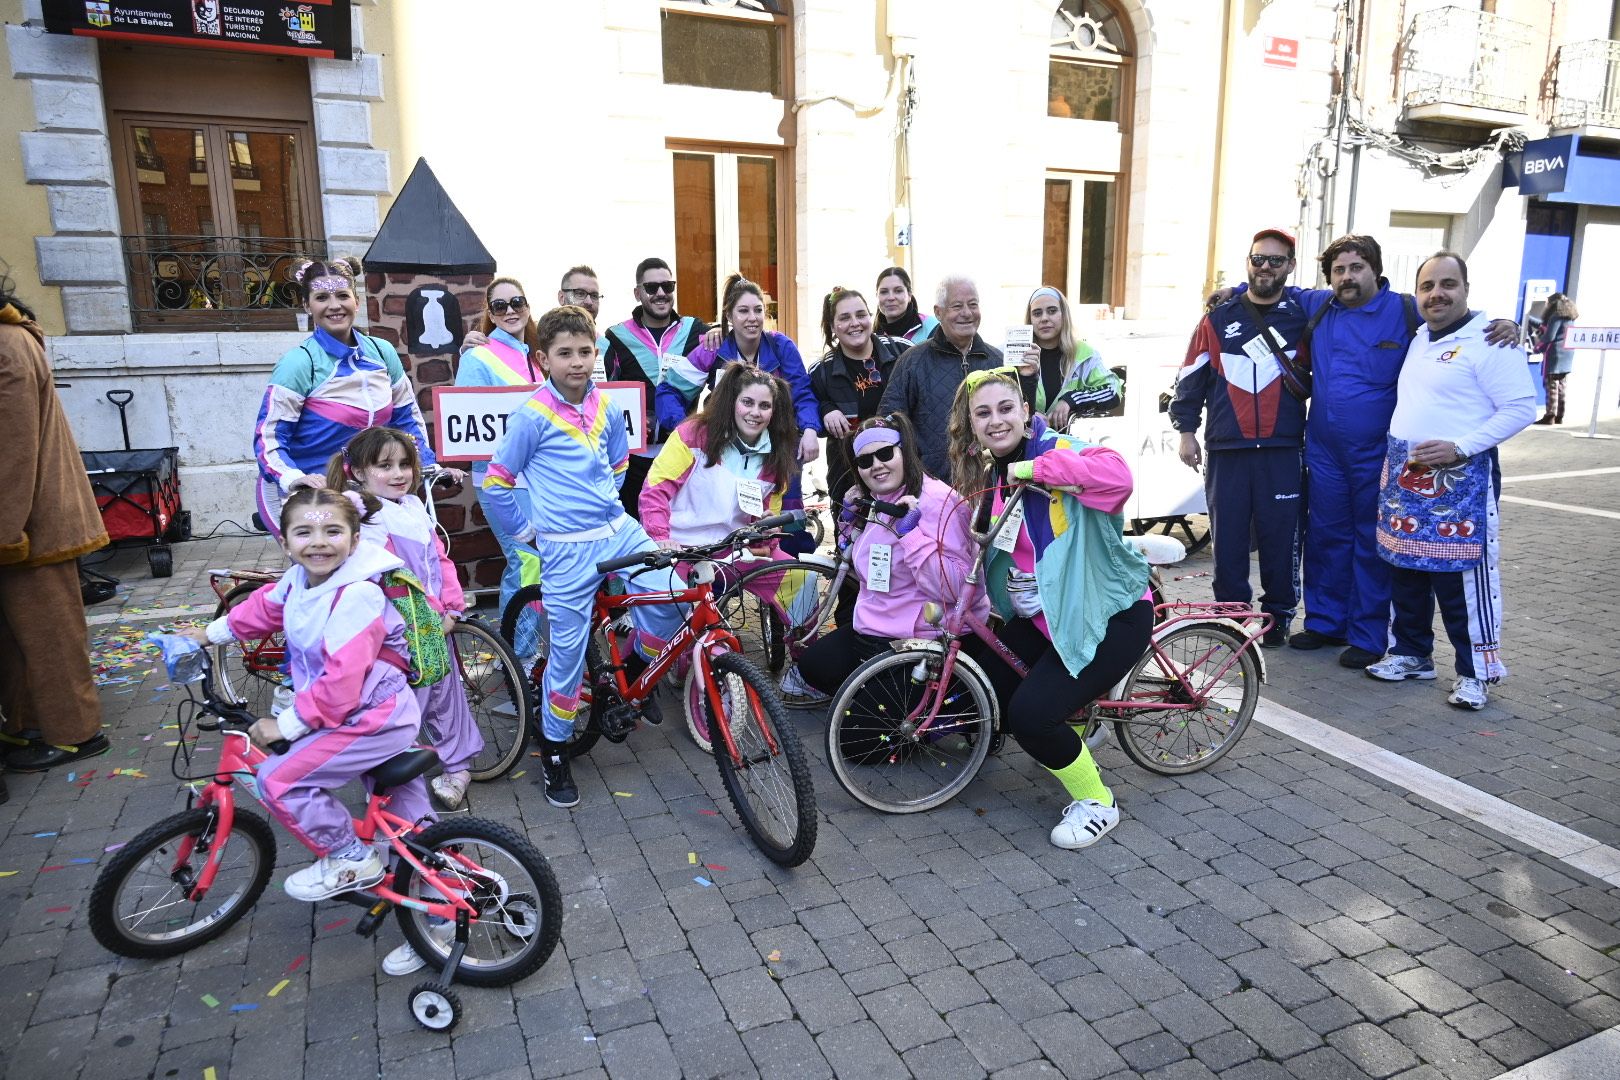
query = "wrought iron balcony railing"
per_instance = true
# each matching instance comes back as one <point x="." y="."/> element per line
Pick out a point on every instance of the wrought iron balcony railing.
<point x="215" y="282"/>
<point x="1587" y="93"/>
<point x="1467" y="57"/>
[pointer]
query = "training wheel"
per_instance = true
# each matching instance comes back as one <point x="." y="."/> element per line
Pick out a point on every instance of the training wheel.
<point x="435" y="1006"/>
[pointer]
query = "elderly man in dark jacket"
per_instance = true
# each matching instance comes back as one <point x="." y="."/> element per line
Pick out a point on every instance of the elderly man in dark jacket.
<point x="927" y="374"/>
<point x="47" y="520"/>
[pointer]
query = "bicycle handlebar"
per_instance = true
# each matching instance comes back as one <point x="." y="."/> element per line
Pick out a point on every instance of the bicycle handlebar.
<point x="892" y="509"/>
<point x="792" y="521"/>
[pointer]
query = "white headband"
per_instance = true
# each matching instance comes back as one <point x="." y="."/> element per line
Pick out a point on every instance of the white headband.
<point x="1053" y="293"/>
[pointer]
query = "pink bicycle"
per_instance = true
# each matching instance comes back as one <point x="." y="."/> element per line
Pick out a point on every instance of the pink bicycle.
<point x="187" y="879"/>
<point x="911" y="728"/>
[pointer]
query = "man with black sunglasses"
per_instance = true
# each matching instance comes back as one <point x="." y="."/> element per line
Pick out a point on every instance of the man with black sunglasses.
<point x="640" y="349"/>
<point x="1245" y="365"/>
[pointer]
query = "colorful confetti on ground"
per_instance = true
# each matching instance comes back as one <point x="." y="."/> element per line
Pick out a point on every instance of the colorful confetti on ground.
<point x="122" y="656"/>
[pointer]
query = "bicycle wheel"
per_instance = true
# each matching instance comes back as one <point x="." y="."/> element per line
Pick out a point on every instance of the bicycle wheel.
<point x="519" y="907"/>
<point x="248" y="673"/>
<point x="799" y="588"/>
<point x="877" y="754"/>
<point x="1205" y="666"/>
<point x="513" y="619"/>
<point x="141" y="904"/>
<point x="768" y="782"/>
<point x="496" y="695"/>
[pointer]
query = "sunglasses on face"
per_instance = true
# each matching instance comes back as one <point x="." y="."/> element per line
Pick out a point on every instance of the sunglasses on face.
<point x="653" y="288"/>
<point x="1276" y="262"/>
<point x="882" y="453"/>
<point x="500" y="307"/>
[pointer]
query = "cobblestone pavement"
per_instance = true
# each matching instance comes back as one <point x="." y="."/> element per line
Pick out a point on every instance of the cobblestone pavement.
<point x="1280" y="915"/>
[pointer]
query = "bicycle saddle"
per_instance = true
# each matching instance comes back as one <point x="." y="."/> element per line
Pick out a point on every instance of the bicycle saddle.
<point x="404" y="767"/>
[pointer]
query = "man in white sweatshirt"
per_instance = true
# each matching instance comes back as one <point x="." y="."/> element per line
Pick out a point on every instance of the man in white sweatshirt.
<point x="1457" y="399"/>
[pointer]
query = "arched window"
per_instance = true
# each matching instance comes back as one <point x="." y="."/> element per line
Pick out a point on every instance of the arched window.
<point x="1090" y="81"/>
<point x="1090" y="61"/>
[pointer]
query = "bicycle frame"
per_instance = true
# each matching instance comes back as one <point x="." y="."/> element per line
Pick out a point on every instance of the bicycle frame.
<point x="961" y="620"/>
<point x="239" y="760"/>
<point x="703" y="630"/>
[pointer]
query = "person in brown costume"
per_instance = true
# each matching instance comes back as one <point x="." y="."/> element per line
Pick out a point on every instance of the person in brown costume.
<point x="48" y="518"/>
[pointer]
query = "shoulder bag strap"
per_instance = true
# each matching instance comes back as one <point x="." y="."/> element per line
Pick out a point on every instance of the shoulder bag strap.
<point x="1295" y="375"/>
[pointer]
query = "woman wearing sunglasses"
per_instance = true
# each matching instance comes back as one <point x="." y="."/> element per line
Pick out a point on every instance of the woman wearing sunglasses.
<point x="849" y="380"/>
<point x="901" y="560"/>
<point x="1073" y="595"/>
<point x="897" y="308"/>
<point x="505" y="357"/>
<point x="1070" y="380"/>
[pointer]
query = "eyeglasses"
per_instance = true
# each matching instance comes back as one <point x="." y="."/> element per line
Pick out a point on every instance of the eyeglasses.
<point x="1276" y="262"/>
<point x="583" y="294"/>
<point x="974" y="378"/>
<point x="882" y="453"/>
<point x="500" y="307"/>
<point x="653" y="288"/>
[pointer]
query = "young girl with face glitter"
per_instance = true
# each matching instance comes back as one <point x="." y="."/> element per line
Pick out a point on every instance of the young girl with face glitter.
<point x="353" y="707"/>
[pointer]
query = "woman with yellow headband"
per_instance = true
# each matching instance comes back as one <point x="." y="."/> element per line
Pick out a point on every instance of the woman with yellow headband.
<point x="1072" y="594"/>
<point x="1069" y="379"/>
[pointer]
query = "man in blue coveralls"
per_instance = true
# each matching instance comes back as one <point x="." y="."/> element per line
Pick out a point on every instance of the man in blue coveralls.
<point x="1359" y="330"/>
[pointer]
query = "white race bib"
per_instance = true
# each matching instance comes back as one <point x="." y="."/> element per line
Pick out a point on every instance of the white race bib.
<point x="879" y="557"/>
<point x="1257" y="348"/>
<point x="751" y="497"/>
<point x="1007" y="538"/>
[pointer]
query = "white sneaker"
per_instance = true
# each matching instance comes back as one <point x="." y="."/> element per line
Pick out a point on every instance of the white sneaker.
<point x="404" y="960"/>
<point x="1084" y="823"/>
<point x="1394" y="668"/>
<point x="450" y="788"/>
<point x="329" y="876"/>
<point x="281" y="699"/>
<point x="796" y="690"/>
<point x="1468" y="693"/>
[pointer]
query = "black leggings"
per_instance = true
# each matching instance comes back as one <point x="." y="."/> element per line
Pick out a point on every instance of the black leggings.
<point x="1036" y="709"/>
<point x="830" y="659"/>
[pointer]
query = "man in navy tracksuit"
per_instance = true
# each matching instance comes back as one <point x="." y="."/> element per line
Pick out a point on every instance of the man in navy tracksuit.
<point x="1243" y="366"/>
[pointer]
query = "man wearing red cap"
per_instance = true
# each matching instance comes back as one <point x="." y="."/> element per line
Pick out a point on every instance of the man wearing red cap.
<point x="1244" y="367"/>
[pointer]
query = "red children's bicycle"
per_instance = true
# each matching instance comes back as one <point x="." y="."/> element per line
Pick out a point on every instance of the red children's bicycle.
<point x="188" y="879"/>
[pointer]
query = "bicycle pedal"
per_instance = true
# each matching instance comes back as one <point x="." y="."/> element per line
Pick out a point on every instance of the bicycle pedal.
<point x="373" y="918"/>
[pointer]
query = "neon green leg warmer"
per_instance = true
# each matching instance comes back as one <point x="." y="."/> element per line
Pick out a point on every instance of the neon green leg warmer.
<point x="1081" y="779"/>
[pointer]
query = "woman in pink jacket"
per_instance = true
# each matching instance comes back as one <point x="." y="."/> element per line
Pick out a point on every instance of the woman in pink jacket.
<point x="901" y="561"/>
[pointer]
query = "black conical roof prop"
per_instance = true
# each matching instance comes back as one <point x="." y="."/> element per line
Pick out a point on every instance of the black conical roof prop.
<point x="425" y="231"/>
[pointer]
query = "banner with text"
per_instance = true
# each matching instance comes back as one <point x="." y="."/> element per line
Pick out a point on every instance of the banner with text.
<point x="312" y="28"/>
<point x="469" y="420"/>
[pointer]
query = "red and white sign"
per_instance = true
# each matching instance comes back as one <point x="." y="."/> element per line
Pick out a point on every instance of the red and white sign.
<point x="468" y="421"/>
<point x="1281" y="52"/>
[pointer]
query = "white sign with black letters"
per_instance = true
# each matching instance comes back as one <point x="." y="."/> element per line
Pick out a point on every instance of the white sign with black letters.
<point x="468" y="421"/>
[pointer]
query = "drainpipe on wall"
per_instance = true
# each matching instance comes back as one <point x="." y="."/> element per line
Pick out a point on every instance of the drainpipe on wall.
<point x="1212" y="256"/>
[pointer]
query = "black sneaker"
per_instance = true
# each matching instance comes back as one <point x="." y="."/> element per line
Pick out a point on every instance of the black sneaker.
<point x="649" y="709"/>
<point x="1359" y="658"/>
<point x="560" y="789"/>
<point x="1311" y="639"/>
<point x="1275" y="638"/>
<point x="43" y="755"/>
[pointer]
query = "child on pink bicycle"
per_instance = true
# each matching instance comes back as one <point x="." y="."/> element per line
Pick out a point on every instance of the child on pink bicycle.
<point x="381" y="463"/>
<point x="353" y="707"/>
<point x="1073" y="594"/>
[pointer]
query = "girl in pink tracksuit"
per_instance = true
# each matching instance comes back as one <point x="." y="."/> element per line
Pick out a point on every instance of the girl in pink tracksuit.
<point x="353" y="707"/>
<point x="382" y="464"/>
<point x="901" y="562"/>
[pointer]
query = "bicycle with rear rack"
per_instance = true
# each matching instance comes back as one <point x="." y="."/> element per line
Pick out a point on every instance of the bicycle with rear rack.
<point x="249" y="673"/>
<point x="756" y="749"/>
<point x="910" y="728"/>
<point x="189" y="878"/>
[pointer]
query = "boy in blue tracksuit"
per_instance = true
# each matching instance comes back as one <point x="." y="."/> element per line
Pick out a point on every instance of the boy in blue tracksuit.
<point x="570" y="444"/>
<point x="1243" y="367"/>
